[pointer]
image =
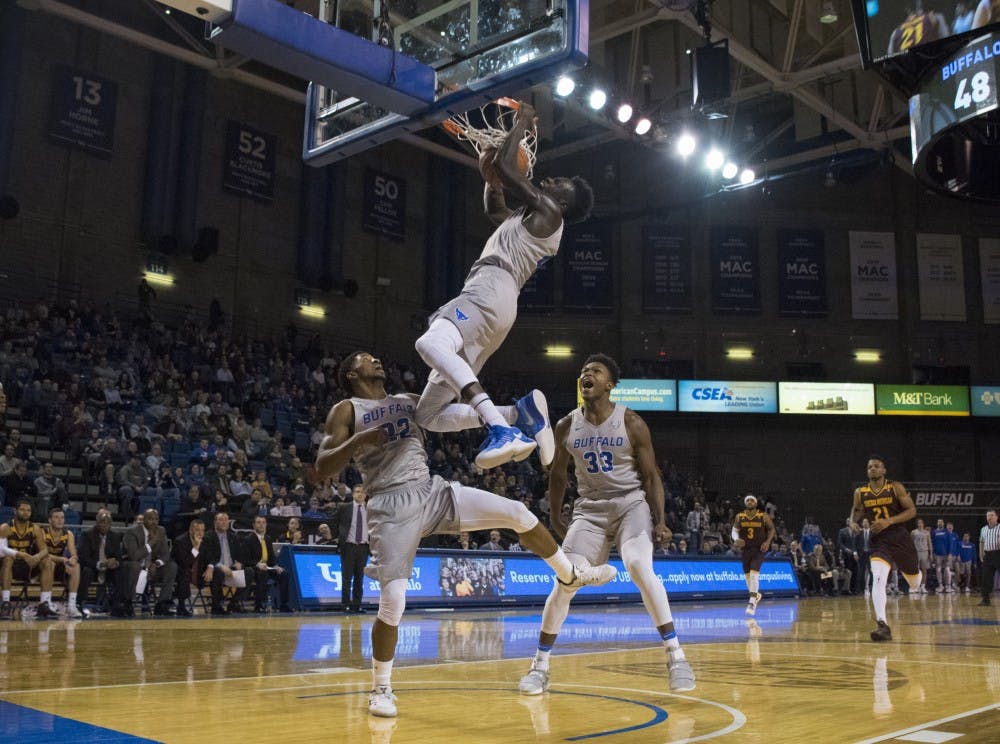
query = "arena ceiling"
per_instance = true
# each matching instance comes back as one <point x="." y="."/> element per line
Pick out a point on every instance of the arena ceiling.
<point x="798" y="93"/>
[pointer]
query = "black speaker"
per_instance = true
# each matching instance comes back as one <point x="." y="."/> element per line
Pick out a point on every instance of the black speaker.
<point x="710" y="74"/>
<point x="206" y="245"/>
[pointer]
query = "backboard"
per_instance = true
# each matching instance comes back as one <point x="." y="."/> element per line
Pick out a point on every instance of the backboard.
<point x="479" y="50"/>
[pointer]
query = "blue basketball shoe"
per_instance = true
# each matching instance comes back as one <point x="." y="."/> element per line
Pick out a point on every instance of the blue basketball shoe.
<point x="533" y="420"/>
<point x="503" y="444"/>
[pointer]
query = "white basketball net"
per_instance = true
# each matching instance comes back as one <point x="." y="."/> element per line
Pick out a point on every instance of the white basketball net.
<point x="488" y="129"/>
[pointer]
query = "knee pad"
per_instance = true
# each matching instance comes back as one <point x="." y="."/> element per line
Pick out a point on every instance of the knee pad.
<point x="392" y="602"/>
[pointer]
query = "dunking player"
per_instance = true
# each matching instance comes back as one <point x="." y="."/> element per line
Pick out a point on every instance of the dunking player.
<point x="405" y="503"/>
<point x="466" y="331"/>
<point x="753" y="531"/>
<point x="888" y="507"/>
<point x="621" y="502"/>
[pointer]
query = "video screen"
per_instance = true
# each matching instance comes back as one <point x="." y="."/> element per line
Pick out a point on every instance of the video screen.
<point x="898" y="26"/>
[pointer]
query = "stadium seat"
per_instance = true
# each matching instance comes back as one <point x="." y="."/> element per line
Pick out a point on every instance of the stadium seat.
<point x="303" y="442"/>
<point x="73" y="517"/>
<point x="150" y="499"/>
<point x="266" y="418"/>
<point x="171" y="505"/>
<point x="6" y="513"/>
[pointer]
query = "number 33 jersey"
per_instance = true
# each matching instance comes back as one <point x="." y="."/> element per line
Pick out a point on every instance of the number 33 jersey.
<point x="400" y="462"/>
<point x="605" y="466"/>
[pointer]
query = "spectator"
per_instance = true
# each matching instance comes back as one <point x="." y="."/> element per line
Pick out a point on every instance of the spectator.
<point x="132" y="479"/>
<point x="51" y="490"/>
<point x="313" y="512"/>
<point x="324" y="536"/>
<point x="185" y="552"/>
<point x="223" y="557"/>
<point x="146" y="548"/>
<point x="493" y="543"/>
<point x="16" y="485"/>
<point x="820" y="571"/>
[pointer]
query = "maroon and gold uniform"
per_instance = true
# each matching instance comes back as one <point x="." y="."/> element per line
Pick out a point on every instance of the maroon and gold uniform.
<point x="917" y="29"/>
<point x="58" y="546"/>
<point x="893" y="544"/>
<point x="752" y="531"/>
<point x="23" y="541"/>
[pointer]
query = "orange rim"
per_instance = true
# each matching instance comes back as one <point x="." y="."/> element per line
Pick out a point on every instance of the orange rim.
<point x="452" y="128"/>
<point x="509" y="103"/>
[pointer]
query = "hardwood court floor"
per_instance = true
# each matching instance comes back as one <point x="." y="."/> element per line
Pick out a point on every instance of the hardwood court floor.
<point x="804" y="672"/>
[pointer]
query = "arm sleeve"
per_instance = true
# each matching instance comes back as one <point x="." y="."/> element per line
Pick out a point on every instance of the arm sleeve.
<point x="735" y="533"/>
<point x="6" y="552"/>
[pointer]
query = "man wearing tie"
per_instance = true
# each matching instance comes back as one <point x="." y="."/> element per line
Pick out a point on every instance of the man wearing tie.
<point x="146" y="548"/>
<point x="260" y="552"/>
<point x="353" y="550"/>
<point x="185" y="552"/>
<point x="100" y="556"/>
<point x="222" y="557"/>
<point x="864" y="549"/>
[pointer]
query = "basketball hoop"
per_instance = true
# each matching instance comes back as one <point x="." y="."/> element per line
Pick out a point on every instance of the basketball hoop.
<point x="488" y="129"/>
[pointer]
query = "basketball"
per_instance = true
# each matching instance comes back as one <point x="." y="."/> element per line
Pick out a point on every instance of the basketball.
<point x="488" y="169"/>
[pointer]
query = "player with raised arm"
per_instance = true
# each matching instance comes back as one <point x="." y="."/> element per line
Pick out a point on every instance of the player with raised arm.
<point x="406" y="503"/>
<point x="753" y="533"/>
<point x="621" y="501"/>
<point x="888" y="507"/>
<point x="466" y="331"/>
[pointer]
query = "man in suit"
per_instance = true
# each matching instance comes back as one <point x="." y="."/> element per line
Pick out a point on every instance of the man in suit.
<point x="353" y="534"/>
<point x="847" y="548"/>
<point x="863" y="546"/>
<point x="260" y="552"/>
<point x="185" y="552"/>
<point x="146" y="547"/>
<point x="101" y="557"/>
<point x="222" y="556"/>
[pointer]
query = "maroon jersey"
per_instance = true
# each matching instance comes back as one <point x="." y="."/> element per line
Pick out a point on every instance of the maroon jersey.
<point x="751" y="529"/>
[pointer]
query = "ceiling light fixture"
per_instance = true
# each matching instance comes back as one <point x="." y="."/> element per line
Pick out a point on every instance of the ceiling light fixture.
<point x="597" y="99"/>
<point x="565" y="85"/>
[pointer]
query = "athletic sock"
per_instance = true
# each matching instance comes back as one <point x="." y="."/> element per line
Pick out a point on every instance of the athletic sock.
<point x="381" y="673"/>
<point x="671" y="644"/>
<point x="541" y="661"/>
<point x="487" y="411"/>
<point x="561" y="565"/>
<point x="72" y="599"/>
<point x="45" y="597"/>
<point x="509" y="414"/>
<point x="5" y="595"/>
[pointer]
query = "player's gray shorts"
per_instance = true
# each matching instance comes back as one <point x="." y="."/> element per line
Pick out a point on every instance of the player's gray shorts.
<point x="483" y="313"/>
<point x="597" y="523"/>
<point x="923" y="561"/>
<point x="398" y="520"/>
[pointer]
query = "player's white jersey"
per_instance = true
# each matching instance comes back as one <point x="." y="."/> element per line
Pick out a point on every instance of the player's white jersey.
<point x="523" y="252"/>
<point x="605" y="466"/>
<point x="402" y="461"/>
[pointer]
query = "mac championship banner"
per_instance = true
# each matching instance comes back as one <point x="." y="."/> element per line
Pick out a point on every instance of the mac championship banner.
<point x="801" y="272"/>
<point x="666" y="271"/>
<point x="587" y="268"/>
<point x="873" y="276"/>
<point x="989" y="272"/>
<point x="735" y="270"/>
<point x="941" y="277"/>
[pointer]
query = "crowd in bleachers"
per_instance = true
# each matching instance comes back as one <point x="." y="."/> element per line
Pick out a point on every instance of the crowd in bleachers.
<point x="196" y="420"/>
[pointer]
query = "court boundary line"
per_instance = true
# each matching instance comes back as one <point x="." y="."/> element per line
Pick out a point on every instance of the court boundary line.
<point x="912" y="729"/>
<point x="739" y="718"/>
<point x="863" y="658"/>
